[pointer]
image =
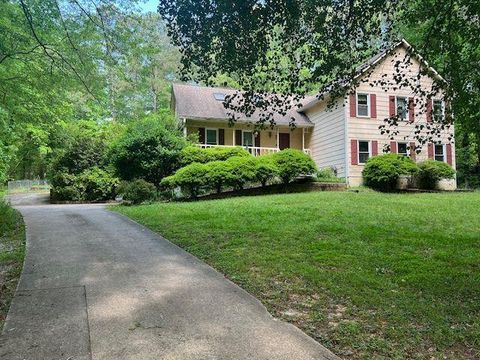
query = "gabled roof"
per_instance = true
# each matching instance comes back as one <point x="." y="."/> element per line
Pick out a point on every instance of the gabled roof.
<point x="368" y="65"/>
<point x="204" y="103"/>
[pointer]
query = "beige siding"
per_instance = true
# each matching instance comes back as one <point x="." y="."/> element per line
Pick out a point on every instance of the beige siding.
<point x="268" y="137"/>
<point x="368" y="128"/>
<point x="328" y="137"/>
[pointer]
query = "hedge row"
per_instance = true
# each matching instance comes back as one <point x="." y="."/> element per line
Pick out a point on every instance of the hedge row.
<point x="238" y="171"/>
<point x="382" y="172"/>
<point x="194" y="154"/>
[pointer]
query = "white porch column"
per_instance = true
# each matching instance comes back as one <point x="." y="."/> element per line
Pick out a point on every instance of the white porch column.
<point x="185" y="127"/>
<point x="233" y="137"/>
<point x="303" y="139"/>
<point x="278" y="139"/>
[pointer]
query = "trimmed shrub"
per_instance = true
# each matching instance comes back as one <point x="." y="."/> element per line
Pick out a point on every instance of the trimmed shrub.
<point x="382" y="172"/>
<point x="137" y="191"/>
<point x="191" y="179"/>
<point x="149" y="149"/>
<point x="243" y="170"/>
<point x="266" y="170"/>
<point x="431" y="171"/>
<point x="96" y="185"/>
<point x="193" y="154"/>
<point x="219" y="174"/>
<point x="292" y="163"/>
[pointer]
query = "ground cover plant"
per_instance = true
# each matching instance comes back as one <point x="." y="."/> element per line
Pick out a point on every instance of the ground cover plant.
<point x="369" y="275"/>
<point x="12" y="252"/>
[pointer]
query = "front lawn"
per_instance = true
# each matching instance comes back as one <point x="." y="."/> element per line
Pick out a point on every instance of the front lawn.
<point x="368" y="275"/>
<point x="12" y="252"/>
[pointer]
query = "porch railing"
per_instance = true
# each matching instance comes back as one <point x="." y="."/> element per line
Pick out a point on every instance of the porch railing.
<point x="254" y="150"/>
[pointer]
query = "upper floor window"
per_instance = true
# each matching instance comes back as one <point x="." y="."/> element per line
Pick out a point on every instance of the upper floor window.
<point x="402" y="107"/>
<point x="363" y="105"/>
<point x="438" y="110"/>
<point x="363" y="151"/>
<point x="402" y="148"/>
<point x="211" y="137"/>
<point x="439" y="152"/>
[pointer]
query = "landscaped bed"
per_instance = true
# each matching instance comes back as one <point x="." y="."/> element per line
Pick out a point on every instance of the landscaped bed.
<point x="12" y="252"/>
<point x="369" y="275"/>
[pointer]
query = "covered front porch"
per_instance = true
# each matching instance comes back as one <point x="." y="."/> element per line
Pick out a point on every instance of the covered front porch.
<point x="258" y="142"/>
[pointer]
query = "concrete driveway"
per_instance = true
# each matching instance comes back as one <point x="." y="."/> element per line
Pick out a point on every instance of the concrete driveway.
<point x="98" y="286"/>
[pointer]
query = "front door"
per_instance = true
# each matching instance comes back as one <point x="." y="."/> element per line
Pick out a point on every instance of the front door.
<point x="283" y="141"/>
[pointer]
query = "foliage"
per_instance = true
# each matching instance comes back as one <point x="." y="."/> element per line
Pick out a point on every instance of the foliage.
<point x="190" y="179"/>
<point x="149" y="149"/>
<point x="137" y="191"/>
<point x="382" y="172"/>
<point x="431" y="171"/>
<point x="192" y="154"/>
<point x="93" y="184"/>
<point x="12" y="253"/>
<point x="345" y="254"/>
<point x="266" y="170"/>
<point x="219" y="174"/>
<point x="243" y="170"/>
<point x="96" y="185"/>
<point x="292" y="163"/>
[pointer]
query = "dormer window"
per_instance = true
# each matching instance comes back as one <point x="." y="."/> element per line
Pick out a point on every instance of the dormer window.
<point x="219" y="96"/>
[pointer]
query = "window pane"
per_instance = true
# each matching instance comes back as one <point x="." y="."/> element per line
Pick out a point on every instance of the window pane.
<point x="362" y="104"/>
<point x="402" y="107"/>
<point x="211" y="137"/>
<point x="247" y="138"/>
<point x="438" y="149"/>
<point x="363" y="146"/>
<point x="402" y="148"/>
<point x="438" y="110"/>
<point x="439" y="158"/>
<point x="363" y="157"/>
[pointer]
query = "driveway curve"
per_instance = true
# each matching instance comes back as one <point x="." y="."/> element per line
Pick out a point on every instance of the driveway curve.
<point x="97" y="285"/>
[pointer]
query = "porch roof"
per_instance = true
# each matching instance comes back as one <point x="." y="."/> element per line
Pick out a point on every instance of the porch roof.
<point x="199" y="102"/>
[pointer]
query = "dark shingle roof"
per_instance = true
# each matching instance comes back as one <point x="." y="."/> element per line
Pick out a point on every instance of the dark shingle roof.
<point x="198" y="102"/>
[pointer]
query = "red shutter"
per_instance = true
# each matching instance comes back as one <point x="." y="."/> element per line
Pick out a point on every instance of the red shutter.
<point x="411" y="109"/>
<point x="257" y="140"/>
<point x="429" y="110"/>
<point x="449" y="154"/>
<point x="374" y="148"/>
<point x="238" y="137"/>
<point x="201" y="135"/>
<point x="353" y="105"/>
<point x="393" y="147"/>
<point x="391" y="106"/>
<point x="430" y="151"/>
<point x="373" y="105"/>
<point x="354" y="151"/>
<point x="448" y="113"/>
<point x="413" y="153"/>
<point x="221" y="136"/>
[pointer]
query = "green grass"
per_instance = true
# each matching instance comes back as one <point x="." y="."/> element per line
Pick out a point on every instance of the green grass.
<point x="12" y="253"/>
<point x="371" y="276"/>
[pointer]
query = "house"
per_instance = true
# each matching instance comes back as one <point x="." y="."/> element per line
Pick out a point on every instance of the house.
<point x="342" y="136"/>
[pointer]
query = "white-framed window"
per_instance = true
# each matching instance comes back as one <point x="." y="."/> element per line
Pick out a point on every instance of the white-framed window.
<point x="247" y="138"/>
<point x="402" y="148"/>
<point x="401" y="106"/>
<point x="438" y="110"/>
<point x="363" y="105"/>
<point x="211" y="136"/>
<point x="364" y="151"/>
<point x="439" y="152"/>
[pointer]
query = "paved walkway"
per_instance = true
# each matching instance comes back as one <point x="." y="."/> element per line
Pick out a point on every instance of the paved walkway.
<point x="98" y="286"/>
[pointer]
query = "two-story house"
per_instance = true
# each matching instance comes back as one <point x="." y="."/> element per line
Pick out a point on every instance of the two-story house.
<point x="342" y="136"/>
